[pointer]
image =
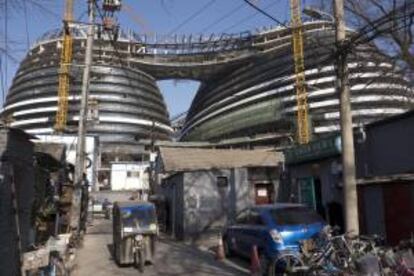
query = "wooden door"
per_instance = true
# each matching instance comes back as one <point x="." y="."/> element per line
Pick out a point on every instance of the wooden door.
<point x="399" y="215"/>
<point x="263" y="193"/>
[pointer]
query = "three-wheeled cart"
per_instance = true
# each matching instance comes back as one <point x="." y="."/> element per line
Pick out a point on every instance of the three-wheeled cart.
<point x="135" y="231"/>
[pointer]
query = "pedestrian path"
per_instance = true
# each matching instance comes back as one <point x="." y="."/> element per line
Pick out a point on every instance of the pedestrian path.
<point x="172" y="258"/>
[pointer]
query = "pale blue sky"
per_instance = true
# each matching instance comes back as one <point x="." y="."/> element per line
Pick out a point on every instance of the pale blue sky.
<point x="159" y="16"/>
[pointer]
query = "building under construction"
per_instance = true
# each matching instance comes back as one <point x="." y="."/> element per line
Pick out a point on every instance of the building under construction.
<point x="246" y="97"/>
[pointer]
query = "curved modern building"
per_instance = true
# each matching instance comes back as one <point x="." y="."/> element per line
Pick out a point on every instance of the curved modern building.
<point x="125" y="102"/>
<point x="255" y="104"/>
<point x="128" y="102"/>
<point x="246" y="96"/>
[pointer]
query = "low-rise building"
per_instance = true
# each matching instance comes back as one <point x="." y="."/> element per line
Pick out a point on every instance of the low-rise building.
<point x="130" y="176"/>
<point x="206" y="188"/>
<point x="384" y="153"/>
<point x="17" y="189"/>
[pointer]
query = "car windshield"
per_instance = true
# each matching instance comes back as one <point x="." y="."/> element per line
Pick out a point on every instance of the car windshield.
<point x="138" y="217"/>
<point x="294" y="216"/>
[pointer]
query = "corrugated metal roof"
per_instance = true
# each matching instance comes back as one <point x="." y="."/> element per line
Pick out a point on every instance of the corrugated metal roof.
<point x="193" y="159"/>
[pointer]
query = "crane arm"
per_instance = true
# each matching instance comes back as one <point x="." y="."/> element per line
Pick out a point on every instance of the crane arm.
<point x="64" y="73"/>
<point x="298" y="56"/>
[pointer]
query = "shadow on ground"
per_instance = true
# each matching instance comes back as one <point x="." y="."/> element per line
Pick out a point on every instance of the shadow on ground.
<point x="187" y="260"/>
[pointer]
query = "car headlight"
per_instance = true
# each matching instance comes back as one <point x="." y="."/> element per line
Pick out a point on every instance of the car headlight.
<point x="153" y="227"/>
<point x="128" y="229"/>
<point x="276" y="236"/>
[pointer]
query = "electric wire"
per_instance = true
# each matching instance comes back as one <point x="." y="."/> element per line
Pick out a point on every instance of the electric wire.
<point x="247" y="18"/>
<point x="358" y="36"/>
<point x="191" y="17"/>
<point x="374" y="27"/>
<point x="26" y="23"/>
<point x="223" y="17"/>
<point x="111" y="37"/>
<point x="3" y="90"/>
<point x="6" y="46"/>
<point x="44" y="9"/>
<point x="266" y="14"/>
<point x="355" y="39"/>
<point x="263" y="12"/>
<point x="115" y="46"/>
<point x="82" y="16"/>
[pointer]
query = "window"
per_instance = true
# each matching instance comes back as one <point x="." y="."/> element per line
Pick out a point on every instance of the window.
<point x="222" y="181"/>
<point x="255" y="218"/>
<point x="137" y="217"/>
<point x="295" y="215"/>
<point x="250" y="217"/>
<point x="132" y="173"/>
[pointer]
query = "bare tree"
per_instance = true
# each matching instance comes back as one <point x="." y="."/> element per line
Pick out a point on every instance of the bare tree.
<point x="389" y="24"/>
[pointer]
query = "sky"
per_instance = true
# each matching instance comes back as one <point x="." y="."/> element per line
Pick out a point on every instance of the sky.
<point x="26" y="23"/>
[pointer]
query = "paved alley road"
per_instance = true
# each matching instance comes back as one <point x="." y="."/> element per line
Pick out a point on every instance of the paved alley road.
<point x="172" y="258"/>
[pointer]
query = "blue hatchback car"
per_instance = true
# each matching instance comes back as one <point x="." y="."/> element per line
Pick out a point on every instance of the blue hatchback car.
<point x="272" y="228"/>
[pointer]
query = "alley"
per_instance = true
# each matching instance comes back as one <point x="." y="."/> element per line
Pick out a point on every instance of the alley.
<point x="172" y="258"/>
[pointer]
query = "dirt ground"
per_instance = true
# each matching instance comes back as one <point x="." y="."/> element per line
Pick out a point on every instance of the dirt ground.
<point x="172" y="257"/>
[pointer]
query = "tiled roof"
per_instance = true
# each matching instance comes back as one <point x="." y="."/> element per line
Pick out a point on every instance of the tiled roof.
<point x="192" y="159"/>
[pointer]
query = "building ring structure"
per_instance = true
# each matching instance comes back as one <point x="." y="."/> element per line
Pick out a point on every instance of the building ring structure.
<point x="247" y="92"/>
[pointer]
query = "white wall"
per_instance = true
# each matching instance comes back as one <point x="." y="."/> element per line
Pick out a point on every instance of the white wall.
<point x="70" y="141"/>
<point x="129" y="176"/>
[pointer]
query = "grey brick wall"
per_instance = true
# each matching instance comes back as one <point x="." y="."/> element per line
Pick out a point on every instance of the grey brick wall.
<point x="16" y="153"/>
<point x="199" y="208"/>
<point x="207" y="207"/>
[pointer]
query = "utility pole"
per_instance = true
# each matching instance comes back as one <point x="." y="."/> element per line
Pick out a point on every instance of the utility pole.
<point x="80" y="145"/>
<point x="347" y="137"/>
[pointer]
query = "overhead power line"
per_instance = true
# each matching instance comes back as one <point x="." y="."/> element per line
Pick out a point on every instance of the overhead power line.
<point x="360" y="35"/>
<point x="6" y="46"/>
<point x="223" y="17"/>
<point x="26" y="23"/>
<point x="247" y="18"/>
<point x="3" y="89"/>
<point x="265" y="13"/>
<point x="43" y="8"/>
<point x="194" y="15"/>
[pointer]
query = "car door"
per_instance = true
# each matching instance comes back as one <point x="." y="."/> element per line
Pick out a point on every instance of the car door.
<point x="255" y="232"/>
<point x="237" y="232"/>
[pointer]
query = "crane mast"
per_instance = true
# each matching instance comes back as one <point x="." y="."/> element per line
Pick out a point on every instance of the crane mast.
<point x="303" y="134"/>
<point x="64" y="72"/>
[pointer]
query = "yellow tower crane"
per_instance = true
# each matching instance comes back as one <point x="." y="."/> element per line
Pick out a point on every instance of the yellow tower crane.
<point x="64" y="73"/>
<point x="298" y="56"/>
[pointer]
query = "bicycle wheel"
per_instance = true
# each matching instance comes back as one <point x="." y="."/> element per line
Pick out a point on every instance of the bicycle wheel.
<point x="286" y="264"/>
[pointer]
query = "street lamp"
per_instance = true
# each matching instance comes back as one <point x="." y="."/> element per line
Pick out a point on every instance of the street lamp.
<point x="317" y="14"/>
